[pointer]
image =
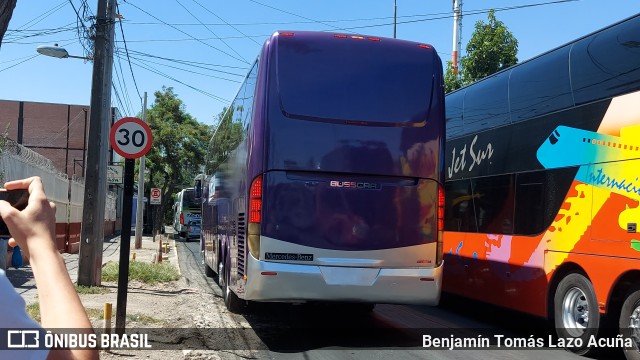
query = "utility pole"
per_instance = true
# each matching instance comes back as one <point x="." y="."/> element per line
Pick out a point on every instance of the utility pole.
<point x="95" y="166"/>
<point x="457" y="29"/>
<point x="395" y="12"/>
<point x="140" y="205"/>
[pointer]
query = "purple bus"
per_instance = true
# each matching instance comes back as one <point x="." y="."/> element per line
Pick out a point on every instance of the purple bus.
<point x="334" y="189"/>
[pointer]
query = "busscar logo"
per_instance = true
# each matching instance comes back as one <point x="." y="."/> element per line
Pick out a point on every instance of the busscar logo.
<point x="23" y="339"/>
<point x="354" y="185"/>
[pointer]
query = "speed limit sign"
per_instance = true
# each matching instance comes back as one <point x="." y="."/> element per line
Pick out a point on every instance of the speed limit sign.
<point x="131" y="137"/>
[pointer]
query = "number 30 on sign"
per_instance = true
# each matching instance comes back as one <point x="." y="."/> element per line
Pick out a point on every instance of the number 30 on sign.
<point x="131" y="137"/>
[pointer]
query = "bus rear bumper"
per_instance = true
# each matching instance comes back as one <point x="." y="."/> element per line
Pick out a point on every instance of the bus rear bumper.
<point x="273" y="281"/>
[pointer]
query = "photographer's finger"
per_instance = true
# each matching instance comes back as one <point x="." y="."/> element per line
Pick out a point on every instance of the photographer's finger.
<point x="21" y="184"/>
<point x="7" y="212"/>
<point x="33" y="184"/>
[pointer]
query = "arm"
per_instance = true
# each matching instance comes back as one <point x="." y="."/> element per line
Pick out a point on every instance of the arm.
<point x="33" y="229"/>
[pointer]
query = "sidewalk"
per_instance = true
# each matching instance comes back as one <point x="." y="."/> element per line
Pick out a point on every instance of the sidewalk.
<point x="22" y="278"/>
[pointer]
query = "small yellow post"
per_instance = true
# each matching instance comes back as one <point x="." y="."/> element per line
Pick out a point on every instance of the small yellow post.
<point x="107" y="318"/>
<point x="159" y="251"/>
<point x="133" y="257"/>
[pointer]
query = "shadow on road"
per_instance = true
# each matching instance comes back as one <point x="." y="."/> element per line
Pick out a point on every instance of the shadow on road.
<point x="295" y="328"/>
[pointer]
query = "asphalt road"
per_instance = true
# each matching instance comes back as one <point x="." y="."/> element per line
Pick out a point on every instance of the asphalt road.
<point x="390" y="331"/>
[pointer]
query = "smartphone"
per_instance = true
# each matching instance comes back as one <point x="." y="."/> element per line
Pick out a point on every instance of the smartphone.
<point x="18" y="199"/>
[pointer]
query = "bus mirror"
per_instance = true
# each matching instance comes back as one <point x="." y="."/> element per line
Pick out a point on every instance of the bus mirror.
<point x="198" y="189"/>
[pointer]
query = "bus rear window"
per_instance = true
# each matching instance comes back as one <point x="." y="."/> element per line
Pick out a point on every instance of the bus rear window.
<point x="354" y="80"/>
<point x="190" y="201"/>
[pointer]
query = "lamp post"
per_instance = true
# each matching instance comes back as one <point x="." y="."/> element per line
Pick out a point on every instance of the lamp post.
<point x="58" y="52"/>
<point x="95" y="167"/>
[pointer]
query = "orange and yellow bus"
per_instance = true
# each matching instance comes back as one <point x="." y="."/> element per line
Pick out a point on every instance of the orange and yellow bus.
<point x="543" y="187"/>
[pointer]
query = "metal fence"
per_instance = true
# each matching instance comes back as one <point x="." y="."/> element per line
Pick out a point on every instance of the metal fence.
<point x="19" y="162"/>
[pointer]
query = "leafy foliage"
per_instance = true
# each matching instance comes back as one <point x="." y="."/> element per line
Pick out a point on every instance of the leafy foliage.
<point x="492" y="48"/>
<point x="179" y="145"/>
<point x="451" y="81"/>
<point x="227" y="136"/>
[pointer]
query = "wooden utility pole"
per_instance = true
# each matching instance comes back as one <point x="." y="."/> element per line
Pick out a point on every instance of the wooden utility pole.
<point x="6" y="11"/>
<point x="95" y="169"/>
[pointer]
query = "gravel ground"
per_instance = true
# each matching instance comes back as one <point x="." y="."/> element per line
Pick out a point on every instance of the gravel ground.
<point x="187" y="317"/>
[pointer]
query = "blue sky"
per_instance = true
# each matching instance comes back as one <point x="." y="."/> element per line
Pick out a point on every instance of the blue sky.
<point x="204" y="48"/>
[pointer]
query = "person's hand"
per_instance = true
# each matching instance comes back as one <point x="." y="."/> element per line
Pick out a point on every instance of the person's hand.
<point x="33" y="228"/>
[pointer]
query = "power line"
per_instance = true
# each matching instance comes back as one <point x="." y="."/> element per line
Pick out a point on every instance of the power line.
<point x="185" y="70"/>
<point x="43" y="16"/>
<point x="135" y="83"/>
<point x="157" y="72"/>
<point x="221" y="19"/>
<point x="211" y="31"/>
<point x="201" y="65"/>
<point x="290" y="22"/>
<point x="202" y="42"/>
<point x="83" y="32"/>
<point x="300" y="16"/>
<point x="123" y="87"/>
<point x="198" y="39"/>
<point x="467" y="13"/>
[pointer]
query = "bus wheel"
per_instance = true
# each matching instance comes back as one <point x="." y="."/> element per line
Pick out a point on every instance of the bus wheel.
<point x="576" y="312"/>
<point x="629" y="323"/>
<point x="231" y="300"/>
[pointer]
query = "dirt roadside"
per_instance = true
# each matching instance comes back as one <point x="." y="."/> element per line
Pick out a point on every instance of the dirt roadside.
<point x="188" y="314"/>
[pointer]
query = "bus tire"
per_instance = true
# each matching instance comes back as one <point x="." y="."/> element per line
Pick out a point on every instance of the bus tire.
<point x="233" y="303"/>
<point x="629" y="323"/>
<point x="576" y="312"/>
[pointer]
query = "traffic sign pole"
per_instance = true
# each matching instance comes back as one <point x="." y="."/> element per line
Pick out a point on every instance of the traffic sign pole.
<point x="125" y="246"/>
<point x="131" y="138"/>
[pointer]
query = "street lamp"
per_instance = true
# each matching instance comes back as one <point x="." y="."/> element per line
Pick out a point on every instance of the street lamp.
<point x="58" y="52"/>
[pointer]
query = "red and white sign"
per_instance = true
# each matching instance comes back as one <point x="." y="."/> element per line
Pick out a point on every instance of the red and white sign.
<point x="155" y="196"/>
<point x="130" y="137"/>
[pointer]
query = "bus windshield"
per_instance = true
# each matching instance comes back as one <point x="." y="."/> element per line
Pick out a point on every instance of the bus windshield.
<point x="380" y="87"/>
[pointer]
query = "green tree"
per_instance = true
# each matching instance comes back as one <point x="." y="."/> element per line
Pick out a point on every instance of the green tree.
<point x="227" y="136"/>
<point x="451" y="81"/>
<point x="179" y="145"/>
<point x="492" y="48"/>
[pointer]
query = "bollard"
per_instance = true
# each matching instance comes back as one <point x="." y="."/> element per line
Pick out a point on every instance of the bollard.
<point x="159" y="258"/>
<point x="133" y="257"/>
<point x="107" y="318"/>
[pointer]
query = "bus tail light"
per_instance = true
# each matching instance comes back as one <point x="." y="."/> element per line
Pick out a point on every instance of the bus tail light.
<point x="440" y="246"/>
<point x="255" y="216"/>
<point x="181" y="218"/>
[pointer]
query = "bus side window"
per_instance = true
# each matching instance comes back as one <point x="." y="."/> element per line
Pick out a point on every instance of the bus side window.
<point x="493" y="199"/>
<point x="459" y="209"/>
<point x="539" y="196"/>
<point x="529" y="203"/>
